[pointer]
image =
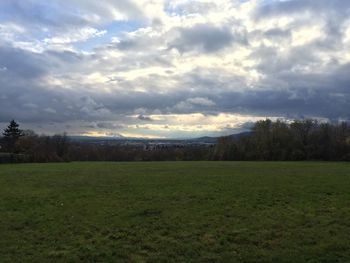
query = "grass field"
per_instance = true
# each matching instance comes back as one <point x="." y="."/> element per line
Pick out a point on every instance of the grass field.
<point x="175" y="212"/>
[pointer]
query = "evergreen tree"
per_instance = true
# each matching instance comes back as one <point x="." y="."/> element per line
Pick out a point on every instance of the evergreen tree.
<point x="11" y="134"/>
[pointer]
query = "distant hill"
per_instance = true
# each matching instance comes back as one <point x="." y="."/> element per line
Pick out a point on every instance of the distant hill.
<point x="208" y="139"/>
<point x="205" y="139"/>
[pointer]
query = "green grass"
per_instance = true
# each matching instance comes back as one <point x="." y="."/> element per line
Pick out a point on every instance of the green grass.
<point x="175" y="212"/>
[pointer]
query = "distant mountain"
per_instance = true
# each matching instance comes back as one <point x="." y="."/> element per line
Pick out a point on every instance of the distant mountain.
<point x="207" y="139"/>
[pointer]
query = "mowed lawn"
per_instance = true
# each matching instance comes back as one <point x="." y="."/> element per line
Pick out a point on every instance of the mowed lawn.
<point x="175" y="212"/>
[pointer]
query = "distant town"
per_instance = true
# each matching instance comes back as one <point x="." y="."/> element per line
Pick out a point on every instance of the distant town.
<point x="147" y="144"/>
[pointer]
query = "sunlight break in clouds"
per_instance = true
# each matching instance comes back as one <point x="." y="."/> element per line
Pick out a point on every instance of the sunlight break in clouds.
<point x="161" y="68"/>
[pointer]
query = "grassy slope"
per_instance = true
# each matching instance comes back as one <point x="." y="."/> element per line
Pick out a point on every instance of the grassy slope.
<point x="166" y="212"/>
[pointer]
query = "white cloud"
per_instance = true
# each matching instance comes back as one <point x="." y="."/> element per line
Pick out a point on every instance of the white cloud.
<point x="82" y="34"/>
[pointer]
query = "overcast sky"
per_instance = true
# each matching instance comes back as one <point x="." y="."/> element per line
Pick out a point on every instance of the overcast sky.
<point x="171" y="68"/>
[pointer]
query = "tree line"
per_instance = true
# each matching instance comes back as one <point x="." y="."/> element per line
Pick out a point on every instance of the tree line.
<point x="300" y="140"/>
<point x="27" y="146"/>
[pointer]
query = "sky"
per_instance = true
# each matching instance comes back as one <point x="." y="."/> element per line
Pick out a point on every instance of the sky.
<point x="171" y="68"/>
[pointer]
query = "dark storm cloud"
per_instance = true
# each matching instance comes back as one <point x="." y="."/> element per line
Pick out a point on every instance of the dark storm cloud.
<point x="24" y="92"/>
<point x="103" y="125"/>
<point x="278" y="8"/>
<point x="19" y="63"/>
<point x="205" y="37"/>
<point x="109" y="125"/>
<point x="290" y="104"/>
<point x="144" y="118"/>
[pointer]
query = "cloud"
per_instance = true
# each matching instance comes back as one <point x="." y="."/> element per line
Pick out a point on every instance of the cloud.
<point x="174" y="68"/>
<point x="205" y="37"/>
<point x="193" y="104"/>
<point x="201" y="101"/>
<point x="144" y="118"/>
<point x="291" y="7"/>
<point x="21" y="64"/>
<point x="83" y="34"/>
<point x="50" y="110"/>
